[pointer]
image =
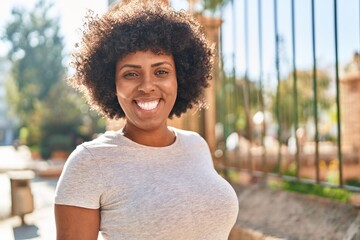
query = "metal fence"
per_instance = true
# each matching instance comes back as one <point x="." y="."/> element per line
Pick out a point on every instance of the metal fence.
<point x="286" y="89"/>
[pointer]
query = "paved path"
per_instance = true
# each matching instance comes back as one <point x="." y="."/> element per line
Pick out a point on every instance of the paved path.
<point x="40" y="223"/>
<point x="11" y="159"/>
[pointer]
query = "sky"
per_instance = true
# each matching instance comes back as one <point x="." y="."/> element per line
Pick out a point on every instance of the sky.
<point x="348" y="34"/>
<point x="71" y="14"/>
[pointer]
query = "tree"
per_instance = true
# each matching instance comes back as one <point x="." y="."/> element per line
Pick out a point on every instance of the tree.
<point x="305" y="95"/>
<point x="213" y="5"/>
<point x="65" y="119"/>
<point x="36" y="55"/>
<point x="52" y="115"/>
<point x="234" y="96"/>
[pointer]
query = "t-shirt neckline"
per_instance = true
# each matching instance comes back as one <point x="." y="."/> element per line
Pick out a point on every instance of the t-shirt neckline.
<point x="120" y="133"/>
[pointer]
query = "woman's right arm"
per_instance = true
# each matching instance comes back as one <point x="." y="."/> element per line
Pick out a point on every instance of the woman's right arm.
<point x="76" y="223"/>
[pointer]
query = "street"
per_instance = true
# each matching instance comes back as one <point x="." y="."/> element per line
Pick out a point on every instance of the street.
<point x="40" y="223"/>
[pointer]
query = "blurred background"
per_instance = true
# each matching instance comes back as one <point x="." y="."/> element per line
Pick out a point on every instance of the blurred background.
<point x="283" y="106"/>
<point x="284" y="87"/>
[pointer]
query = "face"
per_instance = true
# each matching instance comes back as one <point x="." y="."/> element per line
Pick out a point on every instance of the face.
<point x="146" y="88"/>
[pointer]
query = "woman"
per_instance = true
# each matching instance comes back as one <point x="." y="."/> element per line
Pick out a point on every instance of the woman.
<point x="144" y="62"/>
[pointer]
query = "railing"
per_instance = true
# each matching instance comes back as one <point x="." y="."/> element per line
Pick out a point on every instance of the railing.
<point x="284" y="117"/>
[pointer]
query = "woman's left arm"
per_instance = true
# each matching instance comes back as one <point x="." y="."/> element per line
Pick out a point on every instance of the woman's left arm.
<point x="76" y="223"/>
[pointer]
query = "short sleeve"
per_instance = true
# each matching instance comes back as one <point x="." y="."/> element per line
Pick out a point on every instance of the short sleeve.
<point x="80" y="181"/>
<point x="205" y="151"/>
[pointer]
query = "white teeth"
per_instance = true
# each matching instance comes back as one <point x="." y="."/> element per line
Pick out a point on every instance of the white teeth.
<point x="148" y="105"/>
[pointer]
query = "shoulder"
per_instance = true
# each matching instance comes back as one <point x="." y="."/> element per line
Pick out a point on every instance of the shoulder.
<point x="79" y="160"/>
<point x="89" y="152"/>
<point x="104" y="144"/>
<point x="194" y="147"/>
<point x="186" y="133"/>
<point x="105" y="139"/>
<point x="189" y="137"/>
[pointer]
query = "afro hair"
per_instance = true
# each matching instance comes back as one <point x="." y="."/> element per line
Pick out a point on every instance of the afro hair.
<point x="140" y="25"/>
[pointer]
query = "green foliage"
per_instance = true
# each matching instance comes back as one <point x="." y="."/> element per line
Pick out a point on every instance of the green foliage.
<point x="337" y="194"/>
<point x="353" y="182"/>
<point x="12" y="95"/>
<point x="60" y="119"/>
<point x="66" y="119"/>
<point x="236" y="96"/>
<point x="23" y="134"/>
<point x="305" y="98"/>
<point x="61" y="107"/>
<point x="290" y="170"/>
<point x="51" y="114"/>
<point x="36" y="55"/>
<point x="333" y="177"/>
<point x="213" y="5"/>
<point x="56" y="142"/>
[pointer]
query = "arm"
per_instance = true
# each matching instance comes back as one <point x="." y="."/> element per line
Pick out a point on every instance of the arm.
<point x="76" y="223"/>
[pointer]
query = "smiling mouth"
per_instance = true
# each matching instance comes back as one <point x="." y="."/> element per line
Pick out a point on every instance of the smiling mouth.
<point x="148" y="105"/>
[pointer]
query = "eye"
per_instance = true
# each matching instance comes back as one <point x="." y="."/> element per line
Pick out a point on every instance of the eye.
<point x="130" y="75"/>
<point x="161" y="72"/>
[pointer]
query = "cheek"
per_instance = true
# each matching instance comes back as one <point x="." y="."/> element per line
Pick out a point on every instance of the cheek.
<point x="121" y="97"/>
<point x="124" y="103"/>
<point x="172" y="87"/>
<point x="122" y="91"/>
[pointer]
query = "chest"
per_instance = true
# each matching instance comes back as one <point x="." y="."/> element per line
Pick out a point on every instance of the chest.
<point x="168" y="199"/>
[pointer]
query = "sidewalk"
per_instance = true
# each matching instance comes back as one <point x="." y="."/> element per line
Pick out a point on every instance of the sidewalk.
<point x="40" y="223"/>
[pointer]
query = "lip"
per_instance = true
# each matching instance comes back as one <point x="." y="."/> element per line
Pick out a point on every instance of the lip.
<point x="147" y="105"/>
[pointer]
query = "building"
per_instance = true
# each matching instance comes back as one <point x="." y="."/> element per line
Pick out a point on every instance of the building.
<point x="350" y="107"/>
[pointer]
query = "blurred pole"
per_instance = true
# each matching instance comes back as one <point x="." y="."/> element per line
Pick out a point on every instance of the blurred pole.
<point x="295" y="93"/>
<point x="261" y="86"/>
<point x="221" y="99"/>
<point x="316" y="138"/>
<point x="338" y="96"/>
<point x="277" y="64"/>
<point x="234" y="92"/>
<point x="246" y="88"/>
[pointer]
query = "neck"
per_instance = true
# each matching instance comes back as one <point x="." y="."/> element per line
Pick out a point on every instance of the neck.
<point x="154" y="138"/>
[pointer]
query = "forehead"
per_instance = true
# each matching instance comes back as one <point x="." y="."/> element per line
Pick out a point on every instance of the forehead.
<point x="146" y="57"/>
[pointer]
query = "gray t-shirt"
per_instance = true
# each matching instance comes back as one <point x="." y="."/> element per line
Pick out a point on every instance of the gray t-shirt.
<point x="147" y="192"/>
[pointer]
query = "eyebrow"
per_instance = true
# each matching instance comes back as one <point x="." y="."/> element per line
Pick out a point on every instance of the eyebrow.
<point x="152" y="65"/>
<point x="161" y="63"/>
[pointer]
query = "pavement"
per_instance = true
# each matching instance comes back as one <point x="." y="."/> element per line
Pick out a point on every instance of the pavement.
<point x="39" y="224"/>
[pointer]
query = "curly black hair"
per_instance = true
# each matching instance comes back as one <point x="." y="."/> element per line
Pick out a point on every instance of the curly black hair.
<point x="139" y="25"/>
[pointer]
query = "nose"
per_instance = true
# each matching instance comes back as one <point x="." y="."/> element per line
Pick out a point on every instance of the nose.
<point x="147" y="84"/>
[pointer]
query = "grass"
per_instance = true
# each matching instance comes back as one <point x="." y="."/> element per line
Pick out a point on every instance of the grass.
<point x="333" y="193"/>
<point x="337" y="194"/>
<point x="353" y="182"/>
